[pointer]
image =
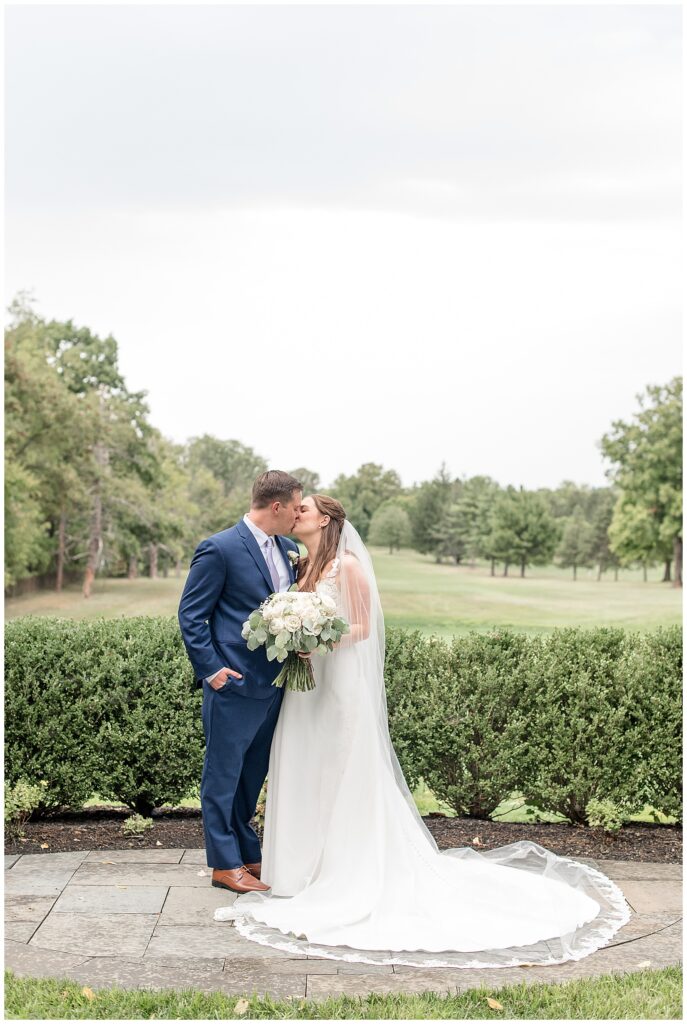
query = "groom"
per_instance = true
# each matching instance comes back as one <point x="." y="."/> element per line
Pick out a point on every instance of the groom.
<point x="231" y="574"/>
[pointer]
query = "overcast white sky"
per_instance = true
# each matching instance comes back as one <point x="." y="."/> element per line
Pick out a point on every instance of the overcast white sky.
<point x="352" y="234"/>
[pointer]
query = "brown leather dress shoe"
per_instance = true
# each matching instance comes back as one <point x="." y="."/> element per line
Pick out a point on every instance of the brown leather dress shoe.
<point x="237" y="880"/>
<point x="254" y="869"/>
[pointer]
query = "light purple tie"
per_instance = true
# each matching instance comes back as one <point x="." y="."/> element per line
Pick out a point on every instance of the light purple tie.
<point x="269" y="558"/>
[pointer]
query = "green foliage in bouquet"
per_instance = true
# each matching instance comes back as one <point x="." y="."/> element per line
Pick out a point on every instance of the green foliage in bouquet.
<point x="292" y="623"/>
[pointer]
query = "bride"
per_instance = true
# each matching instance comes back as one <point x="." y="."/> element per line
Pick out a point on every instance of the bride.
<point x="355" y="875"/>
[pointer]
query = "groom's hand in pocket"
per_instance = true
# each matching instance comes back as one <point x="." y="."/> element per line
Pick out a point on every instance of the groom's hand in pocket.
<point x="220" y="679"/>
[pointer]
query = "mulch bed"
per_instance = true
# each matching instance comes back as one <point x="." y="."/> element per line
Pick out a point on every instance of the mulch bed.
<point x="640" y="841"/>
<point x="100" y="829"/>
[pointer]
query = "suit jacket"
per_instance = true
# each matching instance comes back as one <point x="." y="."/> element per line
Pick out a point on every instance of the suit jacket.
<point x="227" y="580"/>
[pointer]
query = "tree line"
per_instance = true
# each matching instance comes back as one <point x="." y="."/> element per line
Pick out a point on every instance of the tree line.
<point x="92" y="487"/>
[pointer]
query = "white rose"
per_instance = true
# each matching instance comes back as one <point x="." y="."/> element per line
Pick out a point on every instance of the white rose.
<point x="329" y="605"/>
<point x="277" y="625"/>
<point x="292" y="622"/>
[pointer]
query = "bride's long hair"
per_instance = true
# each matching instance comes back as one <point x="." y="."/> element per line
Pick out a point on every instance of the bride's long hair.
<point x="329" y="541"/>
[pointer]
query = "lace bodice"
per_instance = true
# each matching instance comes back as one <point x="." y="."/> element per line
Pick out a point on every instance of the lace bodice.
<point x="327" y="585"/>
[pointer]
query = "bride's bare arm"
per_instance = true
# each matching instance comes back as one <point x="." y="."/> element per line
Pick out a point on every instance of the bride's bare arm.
<point x="356" y="599"/>
<point x="355" y="592"/>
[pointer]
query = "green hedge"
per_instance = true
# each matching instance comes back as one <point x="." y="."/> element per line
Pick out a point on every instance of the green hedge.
<point x="564" y="718"/>
<point x="610" y="725"/>
<point x="458" y="725"/>
<point x="105" y="706"/>
<point x="573" y="716"/>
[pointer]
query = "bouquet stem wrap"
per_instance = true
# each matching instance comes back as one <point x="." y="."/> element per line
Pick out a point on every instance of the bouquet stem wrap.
<point x="296" y="673"/>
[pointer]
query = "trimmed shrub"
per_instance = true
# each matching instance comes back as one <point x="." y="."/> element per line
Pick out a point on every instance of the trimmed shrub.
<point x="459" y="722"/>
<point x="54" y="706"/>
<point x="414" y="663"/>
<point x="475" y="759"/>
<point x="102" y="706"/>
<point x="150" y="741"/>
<point x="569" y="719"/>
<point x="575" y="716"/>
<point x="594" y="731"/>
<point x="651" y="674"/>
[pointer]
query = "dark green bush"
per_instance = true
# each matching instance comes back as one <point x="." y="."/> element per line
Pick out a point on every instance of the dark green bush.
<point x="651" y="673"/>
<point x="578" y="715"/>
<point x="150" y="741"/>
<point x="610" y="727"/>
<point x="53" y="705"/>
<point x="580" y="743"/>
<point x="574" y="716"/>
<point x="414" y="663"/>
<point x="454" y="714"/>
<point x="102" y="706"/>
<point x="472" y="737"/>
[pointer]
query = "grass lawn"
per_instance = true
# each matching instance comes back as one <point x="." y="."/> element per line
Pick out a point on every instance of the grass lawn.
<point x="513" y="809"/>
<point x="643" y="995"/>
<point x="418" y="594"/>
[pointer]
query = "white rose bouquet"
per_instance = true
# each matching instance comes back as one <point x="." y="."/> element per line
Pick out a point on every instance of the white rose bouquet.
<point x="293" y="622"/>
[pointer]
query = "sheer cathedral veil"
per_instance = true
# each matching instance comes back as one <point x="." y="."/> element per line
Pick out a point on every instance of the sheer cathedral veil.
<point x="361" y="604"/>
<point x="430" y="897"/>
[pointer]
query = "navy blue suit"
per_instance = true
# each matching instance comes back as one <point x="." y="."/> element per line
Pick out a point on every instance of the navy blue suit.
<point x="227" y="580"/>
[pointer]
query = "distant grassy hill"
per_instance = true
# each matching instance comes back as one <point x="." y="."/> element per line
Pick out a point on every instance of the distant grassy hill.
<point x="419" y="594"/>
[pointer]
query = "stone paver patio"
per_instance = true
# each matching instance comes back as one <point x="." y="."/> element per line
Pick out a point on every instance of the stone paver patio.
<point x="143" y="919"/>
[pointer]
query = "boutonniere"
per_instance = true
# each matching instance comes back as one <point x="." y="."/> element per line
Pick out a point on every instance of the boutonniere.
<point x="294" y="558"/>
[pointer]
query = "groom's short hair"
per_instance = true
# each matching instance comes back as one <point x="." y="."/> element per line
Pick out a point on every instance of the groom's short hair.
<point x="274" y="485"/>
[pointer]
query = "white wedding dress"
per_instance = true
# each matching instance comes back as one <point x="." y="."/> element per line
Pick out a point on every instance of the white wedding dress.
<point x="356" y="875"/>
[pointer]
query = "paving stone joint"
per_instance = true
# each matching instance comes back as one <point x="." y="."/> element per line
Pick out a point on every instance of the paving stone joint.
<point x="143" y="919"/>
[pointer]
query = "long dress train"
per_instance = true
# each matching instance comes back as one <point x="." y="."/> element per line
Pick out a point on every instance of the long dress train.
<point x="355" y="874"/>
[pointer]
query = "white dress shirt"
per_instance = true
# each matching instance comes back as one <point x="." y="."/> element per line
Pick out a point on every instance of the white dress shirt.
<point x="262" y="538"/>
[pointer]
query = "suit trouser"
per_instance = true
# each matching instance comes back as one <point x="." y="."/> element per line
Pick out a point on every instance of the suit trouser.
<point x="238" y="734"/>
